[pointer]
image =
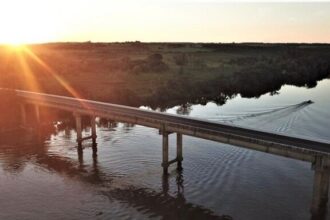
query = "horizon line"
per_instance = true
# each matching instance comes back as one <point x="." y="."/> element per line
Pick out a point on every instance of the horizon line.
<point x="161" y="42"/>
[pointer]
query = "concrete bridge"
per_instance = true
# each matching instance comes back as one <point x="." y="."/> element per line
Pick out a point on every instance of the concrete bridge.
<point x="315" y="151"/>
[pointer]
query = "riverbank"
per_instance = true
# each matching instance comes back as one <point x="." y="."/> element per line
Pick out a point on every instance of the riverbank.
<point x="163" y="74"/>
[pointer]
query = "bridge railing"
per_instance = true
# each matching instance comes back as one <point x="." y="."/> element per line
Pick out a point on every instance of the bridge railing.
<point x="175" y="122"/>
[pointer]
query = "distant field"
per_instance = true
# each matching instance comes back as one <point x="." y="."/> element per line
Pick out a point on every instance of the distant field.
<point x="163" y="74"/>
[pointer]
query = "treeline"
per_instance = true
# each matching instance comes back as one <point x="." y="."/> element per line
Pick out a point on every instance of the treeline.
<point x="270" y="74"/>
<point x="167" y="74"/>
<point x="256" y="77"/>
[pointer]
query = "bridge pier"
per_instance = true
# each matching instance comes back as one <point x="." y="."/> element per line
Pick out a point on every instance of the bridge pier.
<point x="36" y="111"/>
<point x="37" y="114"/>
<point x="93" y="135"/>
<point x="93" y="127"/>
<point x="165" y="162"/>
<point x="321" y="186"/>
<point x="78" y="129"/>
<point x="179" y="151"/>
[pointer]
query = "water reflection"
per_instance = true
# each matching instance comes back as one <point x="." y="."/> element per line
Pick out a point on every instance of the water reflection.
<point x="15" y="155"/>
<point x="31" y="148"/>
<point x="184" y="109"/>
<point x="162" y="204"/>
<point x="215" y="177"/>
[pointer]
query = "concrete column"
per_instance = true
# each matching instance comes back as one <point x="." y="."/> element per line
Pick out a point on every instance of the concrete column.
<point x="325" y="187"/>
<point x="165" y="184"/>
<point x="80" y="157"/>
<point x="78" y="129"/>
<point x="94" y="136"/>
<point x="179" y="151"/>
<point x="37" y="114"/>
<point x="23" y="114"/>
<point x="93" y="126"/>
<point x="165" y="152"/>
<point x="320" y="187"/>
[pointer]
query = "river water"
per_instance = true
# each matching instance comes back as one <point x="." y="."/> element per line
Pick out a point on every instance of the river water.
<point x="48" y="179"/>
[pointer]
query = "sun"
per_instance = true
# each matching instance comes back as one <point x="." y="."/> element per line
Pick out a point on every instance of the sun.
<point x="12" y="39"/>
<point x="16" y="46"/>
<point x="27" y="22"/>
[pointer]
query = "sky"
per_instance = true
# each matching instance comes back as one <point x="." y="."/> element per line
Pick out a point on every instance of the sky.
<point x="38" y="21"/>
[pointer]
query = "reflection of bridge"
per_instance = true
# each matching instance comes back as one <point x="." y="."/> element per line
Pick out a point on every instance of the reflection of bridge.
<point x="161" y="204"/>
<point x="315" y="151"/>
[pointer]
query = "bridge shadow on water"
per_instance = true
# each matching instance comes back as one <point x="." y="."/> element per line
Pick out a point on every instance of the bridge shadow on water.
<point x="31" y="148"/>
<point x="162" y="204"/>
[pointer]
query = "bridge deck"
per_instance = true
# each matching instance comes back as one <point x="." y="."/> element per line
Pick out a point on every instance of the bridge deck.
<point x="275" y="143"/>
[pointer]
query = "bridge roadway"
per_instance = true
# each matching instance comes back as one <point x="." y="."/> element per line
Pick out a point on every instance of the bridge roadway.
<point x="284" y="145"/>
<point x="301" y="148"/>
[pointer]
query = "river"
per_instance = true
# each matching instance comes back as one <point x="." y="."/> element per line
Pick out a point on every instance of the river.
<point x="48" y="179"/>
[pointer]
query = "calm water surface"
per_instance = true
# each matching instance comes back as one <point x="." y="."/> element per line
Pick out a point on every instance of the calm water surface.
<point x="50" y="180"/>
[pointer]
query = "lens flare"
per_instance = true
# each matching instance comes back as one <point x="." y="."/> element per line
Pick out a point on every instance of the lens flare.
<point x="24" y="55"/>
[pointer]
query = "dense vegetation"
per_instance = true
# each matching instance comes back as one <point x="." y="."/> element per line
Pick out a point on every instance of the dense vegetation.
<point x="163" y="74"/>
